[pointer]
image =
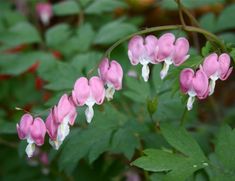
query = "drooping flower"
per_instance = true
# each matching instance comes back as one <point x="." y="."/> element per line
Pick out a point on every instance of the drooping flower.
<point x="88" y="93"/>
<point x="44" y="11"/>
<point x="170" y="52"/>
<point x="59" y="119"/>
<point x="194" y="84"/>
<point x="33" y="130"/>
<point x="111" y="73"/>
<point x="142" y="50"/>
<point x="217" y="68"/>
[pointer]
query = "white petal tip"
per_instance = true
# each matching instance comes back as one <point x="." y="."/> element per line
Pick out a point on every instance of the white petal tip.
<point x="30" y="149"/>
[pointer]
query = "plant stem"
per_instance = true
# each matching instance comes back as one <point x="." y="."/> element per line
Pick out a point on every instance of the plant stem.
<point x="186" y="11"/>
<point x="206" y="33"/>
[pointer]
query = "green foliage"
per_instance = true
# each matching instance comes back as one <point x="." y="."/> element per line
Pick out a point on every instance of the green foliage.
<point x="66" y="8"/>
<point x="139" y="127"/>
<point x="180" y="165"/>
<point x="101" y="6"/>
<point x="108" y="34"/>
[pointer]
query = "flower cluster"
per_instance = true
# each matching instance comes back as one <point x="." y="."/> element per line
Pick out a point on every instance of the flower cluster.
<point x="63" y="115"/>
<point x="202" y="82"/>
<point x="166" y="49"/>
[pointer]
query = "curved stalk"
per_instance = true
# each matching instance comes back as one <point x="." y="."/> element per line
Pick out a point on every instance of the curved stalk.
<point x="206" y="33"/>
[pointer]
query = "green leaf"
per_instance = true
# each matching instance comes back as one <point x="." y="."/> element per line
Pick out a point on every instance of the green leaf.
<point x="169" y="4"/>
<point x="85" y="62"/>
<point x="57" y="35"/>
<point x="158" y="161"/>
<point x="21" y="33"/>
<point x="92" y="141"/>
<point x="85" y="37"/>
<point x="7" y="128"/>
<point x="126" y="138"/>
<point x="207" y="49"/>
<point x="225" y="146"/>
<point x="113" y="31"/>
<point x="208" y="22"/>
<point x="178" y="167"/>
<point x="182" y="141"/>
<point x="138" y="90"/>
<point x="101" y="6"/>
<point x="224" y="20"/>
<point x="232" y="54"/>
<point x="64" y="8"/>
<point x="19" y="63"/>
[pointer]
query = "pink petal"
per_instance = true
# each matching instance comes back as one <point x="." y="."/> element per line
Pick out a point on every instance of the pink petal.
<point x="136" y="49"/>
<point x="51" y="126"/>
<point x="103" y="68"/>
<point x="23" y="128"/>
<point x="63" y="108"/>
<point x="72" y="116"/>
<point x="165" y="46"/>
<point x="115" y="75"/>
<point x="224" y="64"/>
<point x="97" y="89"/>
<point x="181" y="50"/>
<point x="186" y="77"/>
<point x="200" y="83"/>
<point x="81" y="91"/>
<point x="44" y="8"/>
<point x="210" y="64"/>
<point x="38" y="131"/>
<point x="150" y="46"/>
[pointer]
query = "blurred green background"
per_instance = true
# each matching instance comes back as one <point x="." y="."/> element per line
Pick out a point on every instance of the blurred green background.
<point x="39" y="63"/>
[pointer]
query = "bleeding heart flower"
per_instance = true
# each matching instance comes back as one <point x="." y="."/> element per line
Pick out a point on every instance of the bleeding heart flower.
<point x="217" y="68"/>
<point x="59" y="119"/>
<point x="88" y="93"/>
<point x="170" y="52"/>
<point x="194" y="84"/>
<point x="44" y="11"/>
<point x="142" y="50"/>
<point x="34" y="130"/>
<point x="111" y="73"/>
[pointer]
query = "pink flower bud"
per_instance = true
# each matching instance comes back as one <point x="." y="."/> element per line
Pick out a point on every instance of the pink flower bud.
<point x="52" y="126"/>
<point x="89" y="93"/>
<point x="24" y="127"/>
<point x="181" y="51"/>
<point x="32" y="130"/>
<point x="57" y="122"/>
<point x="38" y="131"/>
<point x="44" y="11"/>
<point x="111" y="73"/>
<point x="165" y="47"/>
<point x="170" y="52"/>
<point x="44" y="158"/>
<point x="217" y="68"/>
<point x="193" y="84"/>
<point x="142" y="50"/>
<point x="65" y="108"/>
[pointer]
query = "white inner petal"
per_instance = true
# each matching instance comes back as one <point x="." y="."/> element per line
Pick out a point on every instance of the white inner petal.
<point x="167" y="62"/>
<point x="109" y="92"/>
<point x="45" y="18"/>
<point x="63" y="129"/>
<point x="89" y="112"/>
<point x="212" y="86"/>
<point x="55" y="144"/>
<point x="145" y="72"/>
<point x="30" y="149"/>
